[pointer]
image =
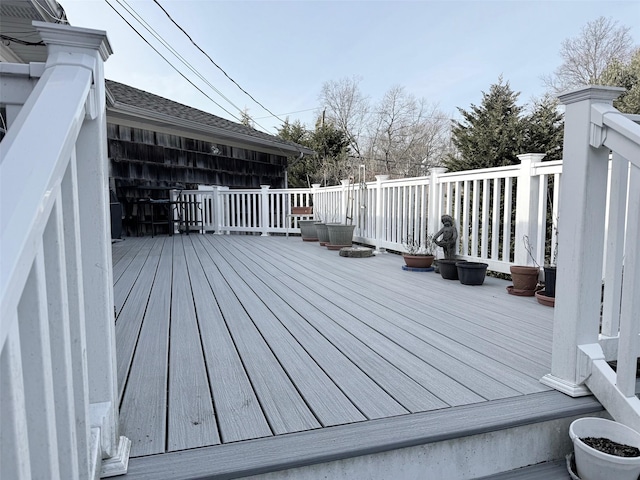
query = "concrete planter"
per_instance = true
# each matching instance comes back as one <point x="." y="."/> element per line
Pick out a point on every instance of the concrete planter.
<point x="308" y="230"/>
<point x="340" y="235"/>
<point x="323" y="233"/>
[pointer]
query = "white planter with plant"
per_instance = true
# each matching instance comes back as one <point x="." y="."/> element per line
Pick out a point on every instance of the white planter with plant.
<point x="592" y="462"/>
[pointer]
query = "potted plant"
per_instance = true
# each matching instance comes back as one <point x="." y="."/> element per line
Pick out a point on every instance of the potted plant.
<point x="524" y="277"/>
<point x="322" y="232"/>
<point x="605" y="449"/>
<point x="418" y="254"/>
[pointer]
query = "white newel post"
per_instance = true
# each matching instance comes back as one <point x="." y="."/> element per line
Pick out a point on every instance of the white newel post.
<point x="89" y="49"/>
<point x="220" y="208"/>
<point x="581" y="242"/>
<point x="379" y="217"/>
<point x="527" y="201"/>
<point x="435" y="205"/>
<point x="264" y="210"/>
<point x="344" y="199"/>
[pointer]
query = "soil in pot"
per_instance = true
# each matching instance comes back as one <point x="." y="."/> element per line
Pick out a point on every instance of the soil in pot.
<point x="610" y="447"/>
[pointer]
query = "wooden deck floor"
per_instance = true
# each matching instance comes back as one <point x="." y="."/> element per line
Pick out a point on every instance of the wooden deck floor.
<point x="222" y="339"/>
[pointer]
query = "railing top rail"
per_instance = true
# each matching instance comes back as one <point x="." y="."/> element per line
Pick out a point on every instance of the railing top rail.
<point x="482" y="173"/>
<point x="622" y="135"/>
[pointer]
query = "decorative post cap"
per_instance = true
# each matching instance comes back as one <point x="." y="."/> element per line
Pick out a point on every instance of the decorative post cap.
<point x="597" y="93"/>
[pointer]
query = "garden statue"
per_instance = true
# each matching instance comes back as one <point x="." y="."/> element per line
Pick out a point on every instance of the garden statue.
<point x="447" y="237"/>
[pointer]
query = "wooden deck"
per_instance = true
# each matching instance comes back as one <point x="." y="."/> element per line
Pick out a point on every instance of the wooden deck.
<point x="224" y="339"/>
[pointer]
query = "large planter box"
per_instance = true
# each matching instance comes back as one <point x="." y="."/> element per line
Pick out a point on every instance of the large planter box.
<point x="340" y="235"/>
<point x="301" y="210"/>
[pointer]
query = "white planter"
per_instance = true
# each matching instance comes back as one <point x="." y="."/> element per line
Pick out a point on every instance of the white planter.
<point x="593" y="464"/>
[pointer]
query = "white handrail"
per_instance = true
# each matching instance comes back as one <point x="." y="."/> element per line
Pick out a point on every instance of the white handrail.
<point x="58" y="402"/>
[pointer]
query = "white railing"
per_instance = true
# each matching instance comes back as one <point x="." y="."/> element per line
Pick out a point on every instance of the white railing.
<point x="58" y="398"/>
<point x="494" y="209"/>
<point x="598" y="321"/>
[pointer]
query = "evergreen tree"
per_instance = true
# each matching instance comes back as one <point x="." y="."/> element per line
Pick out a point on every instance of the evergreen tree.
<point x="544" y="129"/>
<point x="620" y="74"/>
<point x="491" y="135"/>
<point x="300" y="170"/>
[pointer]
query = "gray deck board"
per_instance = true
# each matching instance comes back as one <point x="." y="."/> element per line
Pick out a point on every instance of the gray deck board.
<point x="324" y="396"/>
<point x="456" y="360"/>
<point x="191" y="416"/>
<point x="240" y="416"/>
<point x="133" y="310"/>
<point x="143" y="412"/>
<point x="226" y="340"/>
<point x="283" y="405"/>
<point x="129" y="277"/>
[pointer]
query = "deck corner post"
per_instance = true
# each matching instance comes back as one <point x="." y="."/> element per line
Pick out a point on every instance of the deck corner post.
<point x="435" y="204"/>
<point x="527" y="197"/>
<point x="581" y="243"/>
<point x="264" y="210"/>
<point x="379" y="214"/>
<point x="89" y="49"/>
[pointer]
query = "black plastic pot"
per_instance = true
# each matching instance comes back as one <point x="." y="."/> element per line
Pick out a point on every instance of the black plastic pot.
<point x="448" y="269"/>
<point x="471" y="273"/>
<point x="550" y="282"/>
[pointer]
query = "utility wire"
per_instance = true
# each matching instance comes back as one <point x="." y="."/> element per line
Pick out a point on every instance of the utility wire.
<point x="159" y="37"/>
<point x="131" y="11"/>
<point x="214" y="63"/>
<point x="171" y="64"/>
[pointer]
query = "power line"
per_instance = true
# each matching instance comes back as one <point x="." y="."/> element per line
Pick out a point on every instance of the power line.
<point x="214" y="63"/>
<point x="171" y="64"/>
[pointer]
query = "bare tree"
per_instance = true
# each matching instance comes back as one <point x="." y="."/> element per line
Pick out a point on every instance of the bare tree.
<point x="346" y="108"/>
<point x="586" y="57"/>
<point x="408" y="135"/>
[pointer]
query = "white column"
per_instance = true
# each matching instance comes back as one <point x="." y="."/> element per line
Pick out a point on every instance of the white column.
<point x="581" y="240"/>
<point x="86" y="48"/>
<point x="264" y="210"/>
<point x="344" y="199"/>
<point x="435" y="206"/>
<point x="379" y="216"/>
<point x="527" y="201"/>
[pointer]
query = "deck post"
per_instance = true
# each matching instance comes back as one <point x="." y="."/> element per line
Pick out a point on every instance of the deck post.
<point x="220" y="208"/>
<point x="581" y="242"/>
<point x="435" y="205"/>
<point x="527" y="201"/>
<point x="379" y="215"/>
<point x="345" y="198"/>
<point x="89" y="49"/>
<point x="264" y="210"/>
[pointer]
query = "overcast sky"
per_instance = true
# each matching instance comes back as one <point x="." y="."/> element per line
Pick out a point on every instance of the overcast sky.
<point x="281" y="52"/>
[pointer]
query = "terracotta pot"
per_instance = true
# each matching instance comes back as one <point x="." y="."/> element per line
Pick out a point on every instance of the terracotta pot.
<point x="301" y="210"/>
<point x="525" y="279"/>
<point x="418" y="261"/>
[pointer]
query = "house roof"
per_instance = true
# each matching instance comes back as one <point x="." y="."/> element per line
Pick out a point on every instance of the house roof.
<point x="126" y="100"/>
